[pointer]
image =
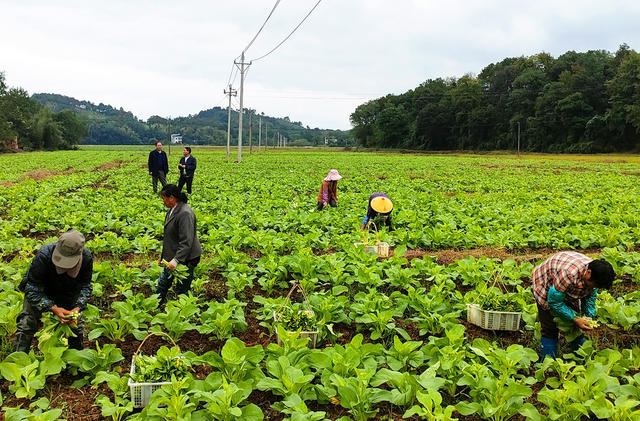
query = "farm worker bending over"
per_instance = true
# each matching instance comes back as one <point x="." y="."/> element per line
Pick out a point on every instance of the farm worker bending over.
<point x="187" y="167"/>
<point x="180" y="245"/>
<point x="158" y="166"/>
<point x="58" y="280"/>
<point x="380" y="207"/>
<point x="328" y="194"/>
<point x="565" y="285"/>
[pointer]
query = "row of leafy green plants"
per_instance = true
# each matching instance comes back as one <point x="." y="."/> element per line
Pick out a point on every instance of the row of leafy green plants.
<point x="441" y="202"/>
<point x="357" y="296"/>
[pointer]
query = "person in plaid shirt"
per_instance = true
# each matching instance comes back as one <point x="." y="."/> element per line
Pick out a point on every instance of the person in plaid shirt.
<point x="566" y="285"/>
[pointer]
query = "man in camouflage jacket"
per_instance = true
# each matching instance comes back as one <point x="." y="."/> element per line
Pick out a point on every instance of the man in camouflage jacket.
<point x="58" y="280"/>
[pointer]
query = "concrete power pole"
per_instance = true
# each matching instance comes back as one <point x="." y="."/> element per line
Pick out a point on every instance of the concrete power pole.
<point x="243" y="67"/>
<point x="266" y="135"/>
<point x="250" y="127"/>
<point x="231" y="92"/>
<point x="259" y="133"/>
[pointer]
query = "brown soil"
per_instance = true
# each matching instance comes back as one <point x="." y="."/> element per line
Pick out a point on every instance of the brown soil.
<point x="624" y="287"/>
<point x="42" y="174"/>
<point x="630" y="173"/>
<point x="446" y="257"/>
<point x="109" y="165"/>
<point x="605" y="337"/>
<point x="504" y="338"/>
<point x="575" y="169"/>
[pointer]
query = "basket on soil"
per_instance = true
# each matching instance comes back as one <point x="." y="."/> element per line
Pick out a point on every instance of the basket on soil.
<point x="303" y="317"/>
<point x="311" y="334"/>
<point x="493" y="320"/>
<point x="141" y="391"/>
<point x="380" y="248"/>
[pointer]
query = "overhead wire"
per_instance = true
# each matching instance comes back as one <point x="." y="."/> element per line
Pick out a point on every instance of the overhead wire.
<point x="291" y="33"/>
<point x="260" y="30"/>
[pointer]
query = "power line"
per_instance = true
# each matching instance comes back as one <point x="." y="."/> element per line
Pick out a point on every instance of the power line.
<point x="292" y="32"/>
<point x="260" y="30"/>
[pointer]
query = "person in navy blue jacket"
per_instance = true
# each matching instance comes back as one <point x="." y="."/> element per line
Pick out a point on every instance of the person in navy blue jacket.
<point x="187" y="167"/>
<point x="158" y="166"/>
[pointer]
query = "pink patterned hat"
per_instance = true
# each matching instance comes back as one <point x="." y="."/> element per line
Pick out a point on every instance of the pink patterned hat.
<point x="333" y="176"/>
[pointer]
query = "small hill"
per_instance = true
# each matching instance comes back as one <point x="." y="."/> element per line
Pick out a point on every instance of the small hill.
<point x="112" y="126"/>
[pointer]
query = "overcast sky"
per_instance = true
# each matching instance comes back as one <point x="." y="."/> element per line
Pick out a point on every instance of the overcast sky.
<point x="173" y="58"/>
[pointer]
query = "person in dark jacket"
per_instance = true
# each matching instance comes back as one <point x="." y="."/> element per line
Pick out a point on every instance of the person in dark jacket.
<point x="328" y="194"/>
<point x="158" y="166"/>
<point x="180" y="244"/>
<point x="58" y="280"/>
<point x="379" y="209"/>
<point x="187" y="167"/>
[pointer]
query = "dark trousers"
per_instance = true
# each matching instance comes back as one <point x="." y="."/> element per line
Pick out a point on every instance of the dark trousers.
<point x="332" y="203"/>
<point x="160" y="176"/>
<point x="28" y="323"/>
<point x="548" y="327"/>
<point x="185" y="180"/>
<point x="166" y="279"/>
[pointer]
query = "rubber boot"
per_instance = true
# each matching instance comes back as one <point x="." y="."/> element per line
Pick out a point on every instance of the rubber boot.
<point x="576" y="344"/>
<point x="549" y="347"/>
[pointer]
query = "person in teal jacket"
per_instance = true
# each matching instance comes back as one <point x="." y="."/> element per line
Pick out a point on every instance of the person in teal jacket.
<point x="566" y="286"/>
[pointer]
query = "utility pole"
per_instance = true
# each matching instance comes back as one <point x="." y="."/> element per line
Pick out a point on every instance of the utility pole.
<point x="169" y="133"/>
<point x="231" y="92"/>
<point x="266" y="135"/>
<point x="259" y="133"/>
<point x="242" y="68"/>
<point x="250" y="127"/>
<point x="518" y="139"/>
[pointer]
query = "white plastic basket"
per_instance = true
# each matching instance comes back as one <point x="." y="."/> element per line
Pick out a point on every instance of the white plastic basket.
<point x="493" y="320"/>
<point x="312" y="335"/>
<point x="381" y="249"/>
<point x="141" y="392"/>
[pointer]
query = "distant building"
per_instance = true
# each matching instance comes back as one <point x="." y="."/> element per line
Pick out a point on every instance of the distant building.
<point x="330" y="140"/>
<point x="176" y="138"/>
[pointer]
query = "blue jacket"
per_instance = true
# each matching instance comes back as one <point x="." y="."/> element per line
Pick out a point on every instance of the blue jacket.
<point x="43" y="287"/>
<point x="559" y="308"/>
<point x="191" y="166"/>
<point x="153" y="163"/>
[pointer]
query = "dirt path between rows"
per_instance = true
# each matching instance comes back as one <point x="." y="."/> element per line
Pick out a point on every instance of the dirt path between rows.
<point x="43" y="174"/>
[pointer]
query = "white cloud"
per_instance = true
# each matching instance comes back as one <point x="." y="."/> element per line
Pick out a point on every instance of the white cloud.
<point x="169" y="58"/>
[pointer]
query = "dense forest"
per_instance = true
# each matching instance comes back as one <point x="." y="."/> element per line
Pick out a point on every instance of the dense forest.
<point x="34" y="125"/>
<point x="579" y="102"/>
<point x="111" y="126"/>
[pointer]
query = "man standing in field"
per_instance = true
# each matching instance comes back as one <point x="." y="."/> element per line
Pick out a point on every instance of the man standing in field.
<point x="58" y="280"/>
<point x="187" y="167"/>
<point x="566" y="286"/>
<point x="158" y="166"/>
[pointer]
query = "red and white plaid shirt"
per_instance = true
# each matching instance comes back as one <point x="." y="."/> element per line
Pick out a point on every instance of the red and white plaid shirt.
<point x="564" y="271"/>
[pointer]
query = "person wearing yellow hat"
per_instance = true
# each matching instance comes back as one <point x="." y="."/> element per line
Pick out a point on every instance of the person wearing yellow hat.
<point x="328" y="194"/>
<point x="380" y="208"/>
<point x="58" y="280"/>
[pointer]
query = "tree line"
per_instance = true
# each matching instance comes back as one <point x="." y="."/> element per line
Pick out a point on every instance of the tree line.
<point x="34" y="125"/>
<point x="111" y="126"/>
<point x="579" y="103"/>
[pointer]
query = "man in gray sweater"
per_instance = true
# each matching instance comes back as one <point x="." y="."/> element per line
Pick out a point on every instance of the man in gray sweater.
<point x="180" y="244"/>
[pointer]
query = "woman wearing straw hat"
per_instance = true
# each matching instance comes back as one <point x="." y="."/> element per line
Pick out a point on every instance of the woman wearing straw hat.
<point x="380" y="207"/>
<point x="328" y="193"/>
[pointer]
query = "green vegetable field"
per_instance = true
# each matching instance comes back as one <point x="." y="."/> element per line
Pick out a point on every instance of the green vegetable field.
<point x="393" y="340"/>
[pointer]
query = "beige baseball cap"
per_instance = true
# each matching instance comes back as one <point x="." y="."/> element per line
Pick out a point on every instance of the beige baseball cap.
<point x="68" y="251"/>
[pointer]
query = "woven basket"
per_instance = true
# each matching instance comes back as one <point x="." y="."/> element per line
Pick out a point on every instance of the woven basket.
<point x="493" y="320"/>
